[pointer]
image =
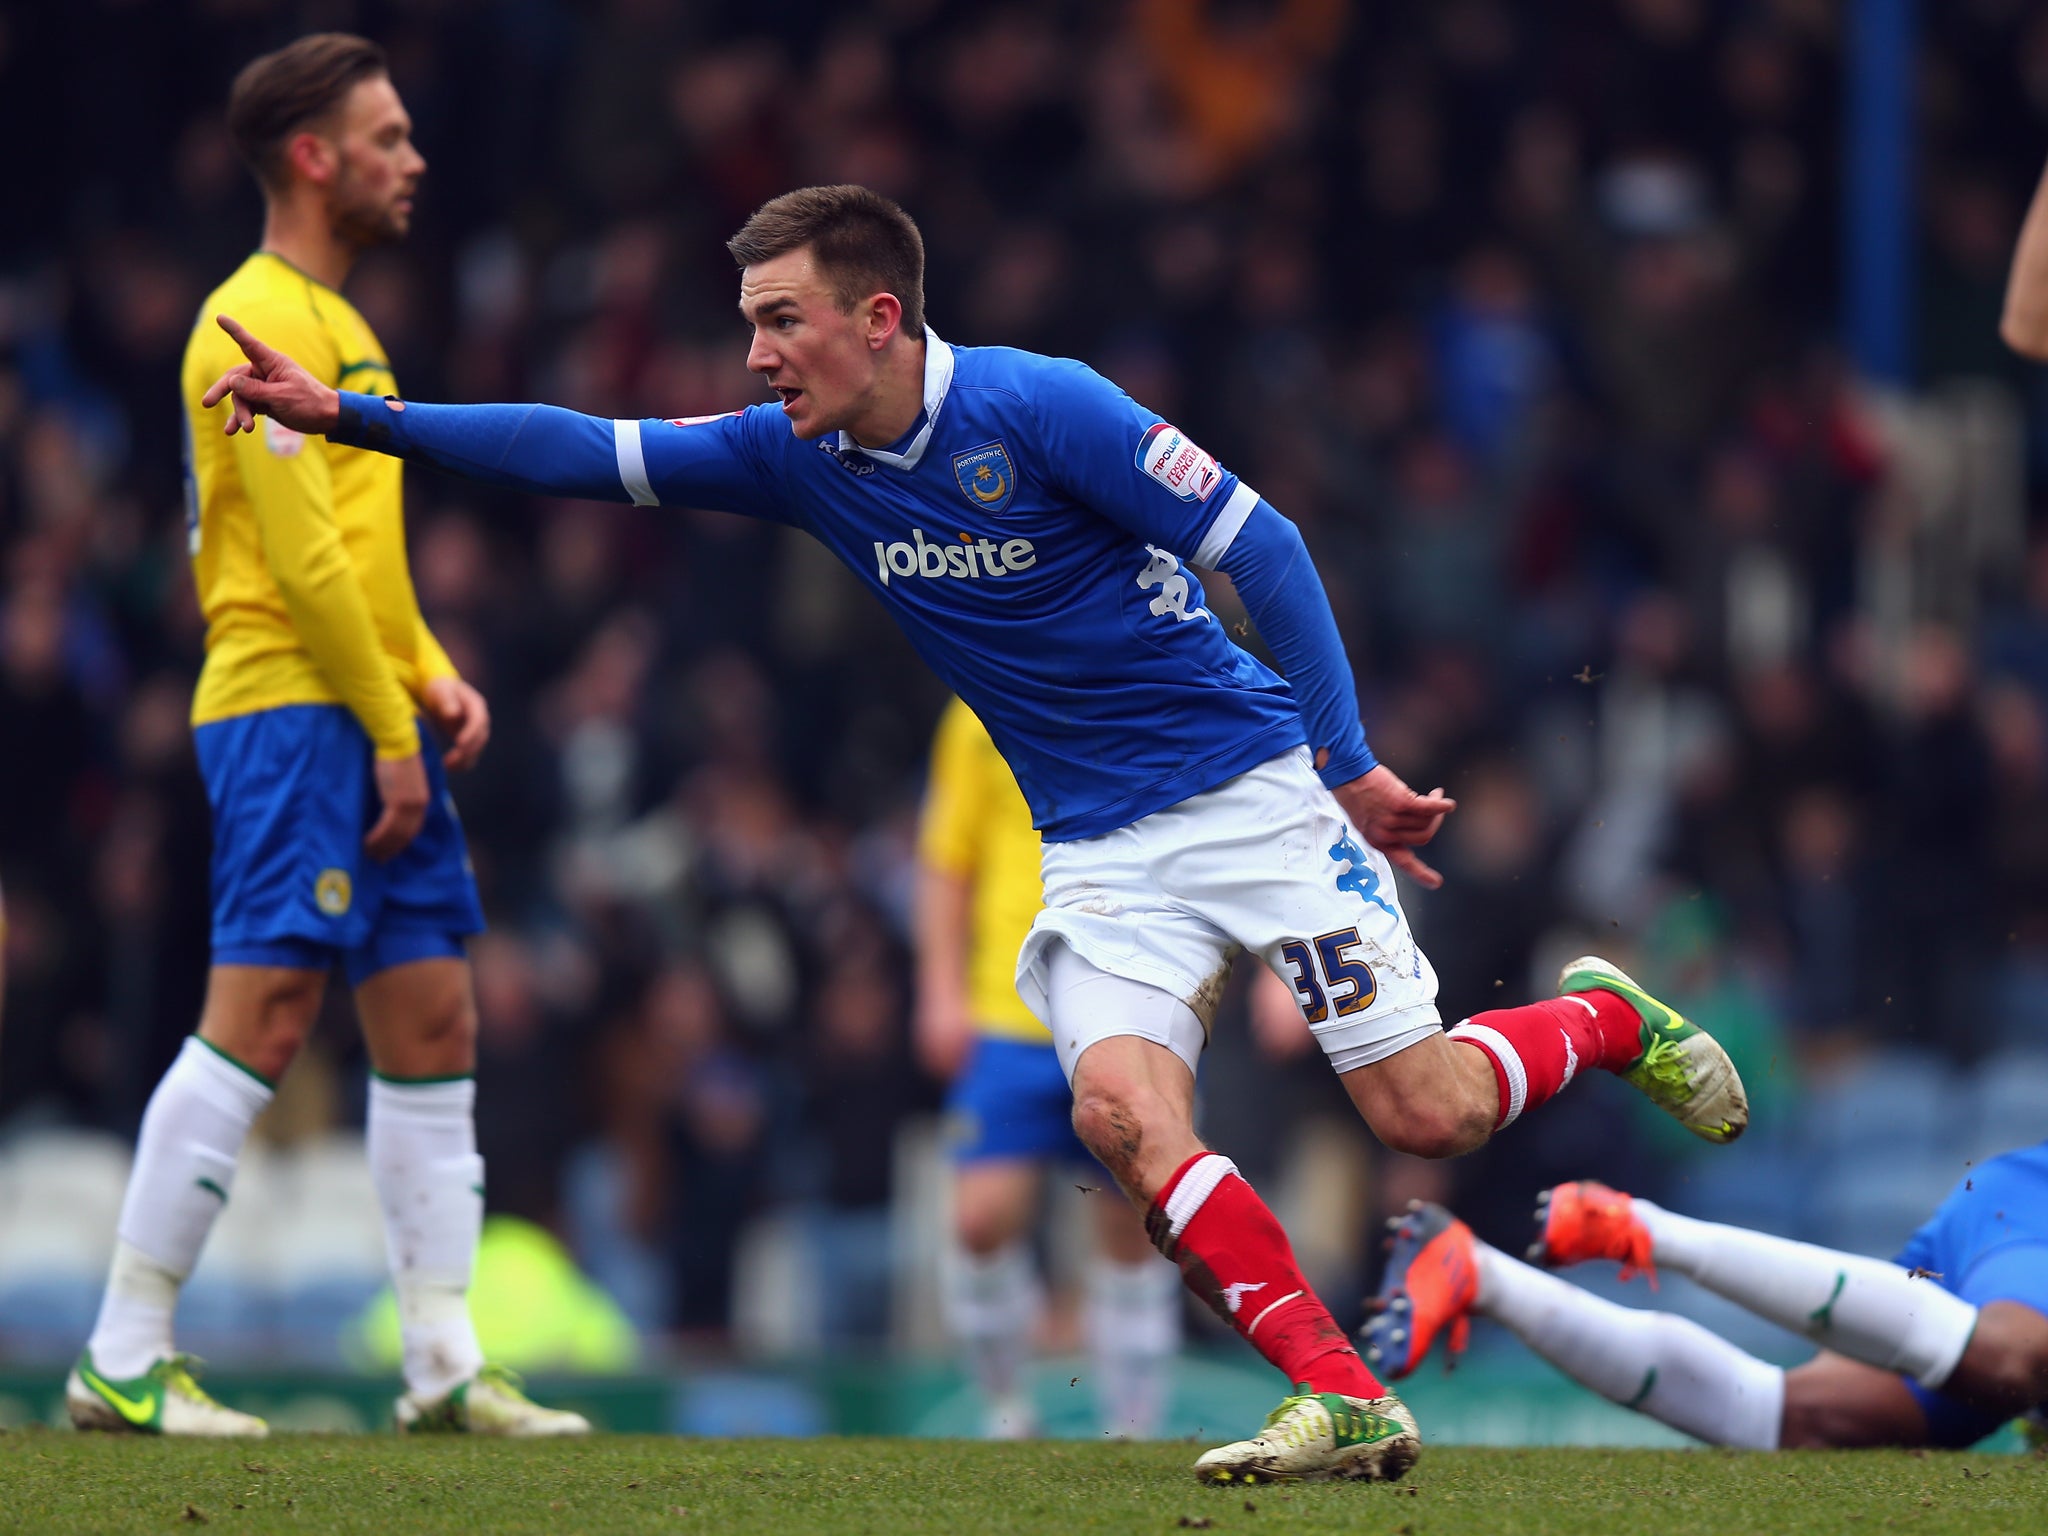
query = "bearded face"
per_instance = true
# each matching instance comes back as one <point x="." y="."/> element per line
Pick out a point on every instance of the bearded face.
<point x="376" y="167"/>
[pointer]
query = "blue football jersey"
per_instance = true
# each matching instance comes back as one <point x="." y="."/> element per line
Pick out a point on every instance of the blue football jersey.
<point x="1998" y="1210"/>
<point x="1032" y="535"/>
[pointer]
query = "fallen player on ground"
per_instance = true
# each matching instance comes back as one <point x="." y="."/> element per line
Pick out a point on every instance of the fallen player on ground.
<point x="1939" y="1347"/>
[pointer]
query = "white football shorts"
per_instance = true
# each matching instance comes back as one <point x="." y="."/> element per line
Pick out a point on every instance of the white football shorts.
<point x="1265" y="862"/>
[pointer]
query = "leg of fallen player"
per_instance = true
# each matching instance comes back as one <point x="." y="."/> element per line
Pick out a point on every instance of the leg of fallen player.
<point x="1835" y="1403"/>
<point x="2004" y="1369"/>
<point x="1870" y="1309"/>
<point x="1679" y="1373"/>
<point x="1134" y="1108"/>
<point x="1439" y="1276"/>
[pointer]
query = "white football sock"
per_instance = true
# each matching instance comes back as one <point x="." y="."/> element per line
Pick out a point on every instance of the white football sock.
<point x="992" y="1303"/>
<point x="192" y="1133"/>
<point x="1134" y="1317"/>
<point x="430" y="1182"/>
<point x="1666" y="1366"/>
<point x="1864" y="1308"/>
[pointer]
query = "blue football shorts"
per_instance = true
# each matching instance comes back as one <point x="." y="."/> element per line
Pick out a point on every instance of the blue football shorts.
<point x="293" y="792"/>
<point x="1012" y="1102"/>
<point x="1988" y="1241"/>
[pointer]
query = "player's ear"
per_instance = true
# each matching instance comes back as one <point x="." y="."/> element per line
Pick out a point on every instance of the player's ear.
<point x="885" y="319"/>
<point x="312" y="156"/>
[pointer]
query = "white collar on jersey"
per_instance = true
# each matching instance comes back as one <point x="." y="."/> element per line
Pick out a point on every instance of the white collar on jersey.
<point x="938" y="378"/>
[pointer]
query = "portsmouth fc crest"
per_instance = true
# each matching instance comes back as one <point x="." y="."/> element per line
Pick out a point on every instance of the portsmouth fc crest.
<point x="986" y="475"/>
<point x="333" y="892"/>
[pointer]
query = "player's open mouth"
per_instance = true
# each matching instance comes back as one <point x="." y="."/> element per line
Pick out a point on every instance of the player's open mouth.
<point x="789" y="396"/>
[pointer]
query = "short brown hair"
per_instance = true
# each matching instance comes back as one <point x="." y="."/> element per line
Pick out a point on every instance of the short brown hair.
<point x="276" y="95"/>
<point x="864" y="244"/>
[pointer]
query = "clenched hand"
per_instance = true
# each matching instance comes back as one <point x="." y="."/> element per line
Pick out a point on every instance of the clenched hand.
<point x="1395" y="819"/>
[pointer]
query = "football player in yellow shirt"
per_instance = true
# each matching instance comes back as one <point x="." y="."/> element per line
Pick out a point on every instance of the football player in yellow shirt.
<point x="335" y="838"/>
<point x="978" y="890"/>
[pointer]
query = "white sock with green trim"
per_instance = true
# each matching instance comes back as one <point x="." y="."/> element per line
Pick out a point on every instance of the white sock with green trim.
<point x="1666" y="1366"/>
<point x="1865" y="1308"/>
<point x="1134" y="1329"/>
<point x="192" y="1133"/>
<point x="430" y="1182"/>
<point x="992" y="1303"/>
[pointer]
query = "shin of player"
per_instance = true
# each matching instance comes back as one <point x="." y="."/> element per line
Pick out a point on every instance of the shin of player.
<point x="1939" y="1347"/>
<point x="1666" y="1366"/>
<point x="1133" y="1106"/>
<point x="419" y="1019"/>
<point x="977" y="894"/>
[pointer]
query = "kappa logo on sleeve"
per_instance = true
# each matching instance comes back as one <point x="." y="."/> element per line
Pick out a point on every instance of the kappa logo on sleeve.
<point x="1177" y="589"/>
<point x="1168" y="456"/>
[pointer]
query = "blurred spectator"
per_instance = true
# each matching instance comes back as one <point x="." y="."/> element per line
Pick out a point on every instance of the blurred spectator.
<point x="860" y="1083"/>
<point x="49" y="793"/>
<point x="1935" y="814"/>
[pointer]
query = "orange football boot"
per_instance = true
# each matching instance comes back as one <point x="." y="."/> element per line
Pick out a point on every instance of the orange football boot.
<point x="1431" y="1282"/>
<point x="1587" y="1220"/>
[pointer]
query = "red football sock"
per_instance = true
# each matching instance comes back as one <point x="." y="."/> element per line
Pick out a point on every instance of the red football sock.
<point x="1538" y="1048"/>
<point x="1233" y="1255"/>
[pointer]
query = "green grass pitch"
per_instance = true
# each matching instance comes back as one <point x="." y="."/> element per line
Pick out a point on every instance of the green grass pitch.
<point x="314" y="1484"/>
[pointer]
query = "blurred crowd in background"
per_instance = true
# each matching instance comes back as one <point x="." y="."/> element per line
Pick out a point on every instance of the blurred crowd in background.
<point x="1527" y="313"/>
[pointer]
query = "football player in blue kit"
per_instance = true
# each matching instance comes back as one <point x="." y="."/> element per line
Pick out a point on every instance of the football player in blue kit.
<point x="1032" y="529"/>
<point x="1939" y="1347"/>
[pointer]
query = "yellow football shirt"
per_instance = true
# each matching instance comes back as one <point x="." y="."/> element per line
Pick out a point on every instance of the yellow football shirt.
<point x="298" y="544"/>
<point x="977" y="826"/>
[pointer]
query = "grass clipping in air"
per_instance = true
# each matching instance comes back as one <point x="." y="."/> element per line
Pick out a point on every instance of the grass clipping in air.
<point x="383" y="1485"/>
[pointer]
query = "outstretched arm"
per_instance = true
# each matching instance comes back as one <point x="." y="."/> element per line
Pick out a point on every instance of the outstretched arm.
<point x="539" y="448"/>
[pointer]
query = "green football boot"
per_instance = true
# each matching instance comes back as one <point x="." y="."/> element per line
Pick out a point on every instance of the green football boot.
<point x="166" y="1399"/>
<point x="1682" y="1069"/>
<point x="490" y="1403"/>
<point x="1316" y="1436"/>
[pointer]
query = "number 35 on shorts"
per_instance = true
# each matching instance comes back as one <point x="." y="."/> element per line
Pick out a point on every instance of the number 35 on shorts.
<point x="1321" y="972"/>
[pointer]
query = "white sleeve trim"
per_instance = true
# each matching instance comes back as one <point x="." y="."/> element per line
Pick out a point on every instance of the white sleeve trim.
<point x="632" y="463"/>
<point x="1216" y="543"/>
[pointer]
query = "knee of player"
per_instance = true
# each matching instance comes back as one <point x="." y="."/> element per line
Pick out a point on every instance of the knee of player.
<point x="981" y="1230"/>
<point x="1804" y="1426"/>
<point x="1811" y="1417"/>
<point x="270" y="1054"/>
<point x="1439" y="1128"/>
<point x="2006" y="1364"/>
<point x="264" y="1032"/>
<point x="1110" y="1119"/>
<point x="449" y="1029"/>
<point x="2008" y="1379"/>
